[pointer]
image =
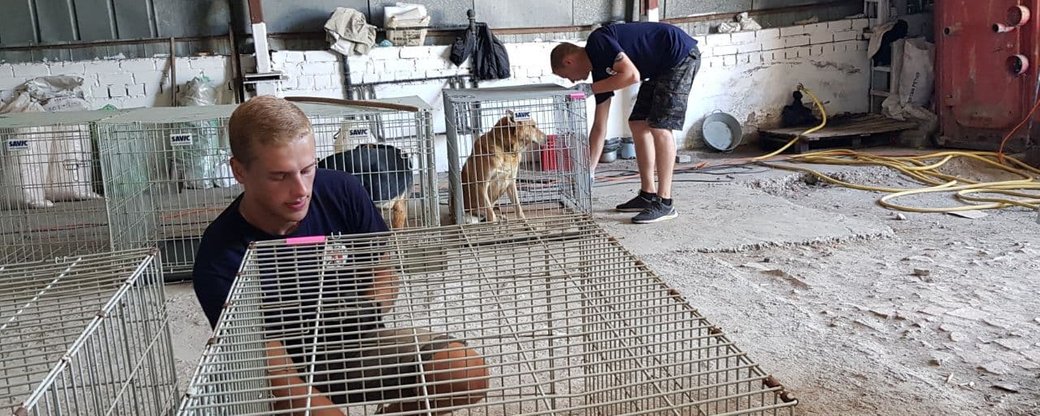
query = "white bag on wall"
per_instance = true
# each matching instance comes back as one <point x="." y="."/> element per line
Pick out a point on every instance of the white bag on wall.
<point x="23" y="160"/>
<point x="49" y="163"/>
<point x="196" y="160"/>
<point x="70" y="173"/>
<point x="917" y="76"/>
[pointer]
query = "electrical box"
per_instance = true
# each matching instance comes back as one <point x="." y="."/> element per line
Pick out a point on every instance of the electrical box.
<point x="988" y="52"/>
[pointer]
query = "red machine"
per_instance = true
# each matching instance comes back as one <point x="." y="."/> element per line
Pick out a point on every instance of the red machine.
<point x="987" y="71"/>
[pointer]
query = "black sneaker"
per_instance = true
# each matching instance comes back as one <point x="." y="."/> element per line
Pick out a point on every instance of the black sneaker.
<point x="637" y="204"/>
<point x="656" y="212"/>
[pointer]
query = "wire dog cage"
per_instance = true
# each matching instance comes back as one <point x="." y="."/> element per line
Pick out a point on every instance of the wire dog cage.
<point x="516" y="151"/>
<point x="86" y="335"/>
<point x="167" y="174"/>
<point x="389" y="147"/>
<point x="545" y="316"/>
<point x="50" y="204"/>
<point x="166" y="177"/>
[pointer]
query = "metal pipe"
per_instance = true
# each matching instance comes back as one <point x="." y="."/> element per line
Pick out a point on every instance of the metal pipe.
<point x="173" y="72"/>
<point x="472" y="31"/>
<point x="348" y="89"/>
<point x="236" y="61"/>
<point x="1002" y="28"/>
<point x="355" y="103"/>
<point x="414" y="80"/>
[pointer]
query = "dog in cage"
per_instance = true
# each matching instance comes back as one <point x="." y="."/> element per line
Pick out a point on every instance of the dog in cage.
<point x="386" y="173"/>
<point x="491" y="169"/>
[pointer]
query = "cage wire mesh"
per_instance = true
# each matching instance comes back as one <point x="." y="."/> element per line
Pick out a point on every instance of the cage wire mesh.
<point x="50" y="202"/>
<point x="166" y="177"/>
<point x="390" y="150"/>
<point x="559" y="317"/>
<point x="86" y="335"/>
<point x="167" y="174"/>
<point x="515" y="152"/>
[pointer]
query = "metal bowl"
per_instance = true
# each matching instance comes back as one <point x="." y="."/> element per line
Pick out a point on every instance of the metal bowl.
<point x="721" y="132"/>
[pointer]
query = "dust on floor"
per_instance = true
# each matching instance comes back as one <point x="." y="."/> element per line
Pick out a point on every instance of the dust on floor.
<point x="856" y="311"/>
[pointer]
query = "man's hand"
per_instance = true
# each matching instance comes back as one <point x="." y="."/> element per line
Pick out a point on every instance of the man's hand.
<point x="584" y="87"/>
<point x="298" y="395"/>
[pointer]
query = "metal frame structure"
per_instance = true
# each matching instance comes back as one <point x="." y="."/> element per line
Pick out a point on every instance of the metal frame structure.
<point x="50" y="204"/>
<point x="86" y="335"/>
<point x="166" y="177"/>
<point x="544" y="126"/>
<point x="403" y="124"/>
<point x="565" y="320"/>
<point x="166" y="171"/>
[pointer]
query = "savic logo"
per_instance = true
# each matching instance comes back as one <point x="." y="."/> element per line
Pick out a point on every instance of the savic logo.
<point x="17" y="144"/>
<point x="522" y="116"/>
<point x="359" y="132"/>
<point x="180" y="139"/>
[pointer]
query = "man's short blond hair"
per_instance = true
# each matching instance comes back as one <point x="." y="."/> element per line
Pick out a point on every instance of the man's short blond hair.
<point x="264" y="121"/>
<point x="561" y="52"/>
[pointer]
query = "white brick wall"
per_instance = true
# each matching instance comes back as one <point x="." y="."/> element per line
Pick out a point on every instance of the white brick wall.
<point x="123" y="83"/>
<point x="747" y="74"/>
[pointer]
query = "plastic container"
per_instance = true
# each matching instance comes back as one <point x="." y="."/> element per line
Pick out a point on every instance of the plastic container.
<point x="628" y="148"/>
<point x="555" y="155"/>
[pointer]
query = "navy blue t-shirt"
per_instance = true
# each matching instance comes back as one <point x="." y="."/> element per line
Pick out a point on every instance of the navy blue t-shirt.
<point x="339" y="205"/>
<point x="653" y="47"/>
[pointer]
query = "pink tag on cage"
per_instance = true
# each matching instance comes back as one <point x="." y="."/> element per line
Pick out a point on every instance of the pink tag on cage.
<point x="295" y="241"/>
<point x="577" y="95"/>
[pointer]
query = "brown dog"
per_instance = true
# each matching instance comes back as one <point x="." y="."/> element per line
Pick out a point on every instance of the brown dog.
<point x="491" y="169"/>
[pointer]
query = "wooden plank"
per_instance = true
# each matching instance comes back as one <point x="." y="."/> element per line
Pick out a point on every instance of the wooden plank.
<point x="855" y="126"/>
<point x="850" y="142"/>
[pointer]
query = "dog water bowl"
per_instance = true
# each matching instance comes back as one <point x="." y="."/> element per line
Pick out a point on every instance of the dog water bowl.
<point x="721" y="132"/>
<point x="628" y="148"/>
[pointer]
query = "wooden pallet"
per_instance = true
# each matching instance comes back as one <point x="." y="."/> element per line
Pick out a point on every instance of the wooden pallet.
<point x="853" y="132"/>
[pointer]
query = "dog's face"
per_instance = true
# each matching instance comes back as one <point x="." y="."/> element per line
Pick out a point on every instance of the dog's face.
<point x="523" y="127"/>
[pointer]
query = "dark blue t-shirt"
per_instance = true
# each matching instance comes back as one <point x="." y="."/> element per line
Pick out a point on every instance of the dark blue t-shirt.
<point x="339" y="205"/>
<point x="653" y="47"/>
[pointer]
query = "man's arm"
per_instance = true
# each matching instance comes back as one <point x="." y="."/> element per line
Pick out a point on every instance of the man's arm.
<point x="625" y="75"/>
<point x="598" y="134"/>
<point x="384" y="287"/>
<point x="286" y="382"/>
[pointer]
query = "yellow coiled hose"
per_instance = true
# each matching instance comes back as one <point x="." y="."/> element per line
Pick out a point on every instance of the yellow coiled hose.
<point x="923" y="169"/>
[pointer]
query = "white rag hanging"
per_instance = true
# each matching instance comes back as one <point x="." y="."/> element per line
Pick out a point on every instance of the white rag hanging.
<point x="349" y="32"/>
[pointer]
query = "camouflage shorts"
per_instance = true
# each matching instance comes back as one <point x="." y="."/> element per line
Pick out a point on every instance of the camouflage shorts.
<point x="662" y="99"/>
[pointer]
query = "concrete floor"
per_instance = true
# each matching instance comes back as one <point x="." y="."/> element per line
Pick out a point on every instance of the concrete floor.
<point x="817" y="284"/>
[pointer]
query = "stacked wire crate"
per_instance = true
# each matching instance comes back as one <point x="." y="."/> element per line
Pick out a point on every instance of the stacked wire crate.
<point x="389" y="146"/>
<point x="50" y="204"/>
<point x="563" y="318"/>
<point x="167" y="172"/>
<point x="86" y="335"/>
<point x="166" y="177"/>
<point x="515" y="152"/>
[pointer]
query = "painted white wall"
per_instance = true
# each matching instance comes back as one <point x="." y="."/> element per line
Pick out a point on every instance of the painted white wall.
<point x="749" y="75"/>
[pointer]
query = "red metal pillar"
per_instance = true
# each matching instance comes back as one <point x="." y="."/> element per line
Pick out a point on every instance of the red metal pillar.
<point x="983" y="88"/>
<point x="650" y="11"/>
<point x="256" y="12"/>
